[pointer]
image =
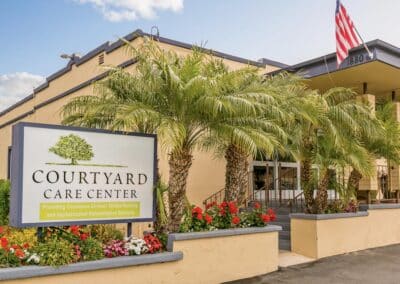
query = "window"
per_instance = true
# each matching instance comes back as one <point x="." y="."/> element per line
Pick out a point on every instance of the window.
<point x="101" y="59"/>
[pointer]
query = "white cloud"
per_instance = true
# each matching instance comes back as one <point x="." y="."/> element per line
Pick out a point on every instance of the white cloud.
<point x="129" y="10"/>
<point x="16" y="86"/>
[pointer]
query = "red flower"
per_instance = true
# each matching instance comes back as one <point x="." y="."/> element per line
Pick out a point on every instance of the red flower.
<point x="236" y="220"/>
<point x="224" y="204"/>
<point x="197" y="210"/>
<point x="75" y="230"/>
<point x="19" y="253"/>
<point x="84" y="236"/>
<point x="266" y="218"/>
<point x="222" y="211"/>
<point x="232" y="207"/>
<point x="153" y="243"/>
<point x="208" y="219"/>
<point x="270" y="212"/>
<point x="257" y="205"/>
<point x="1" y="230"/>
<point x="4" y="242"/>
<point x="15" y="246"/>
<point x="272" y="217"/>
<point x="199" y="217"/>
<point x="25" y="245"/>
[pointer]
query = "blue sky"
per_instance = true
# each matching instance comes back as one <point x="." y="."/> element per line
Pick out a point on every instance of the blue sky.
<point x="33" y="33"/>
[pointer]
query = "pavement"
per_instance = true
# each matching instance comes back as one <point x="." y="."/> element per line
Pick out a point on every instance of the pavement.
<point x="379" y="265"/>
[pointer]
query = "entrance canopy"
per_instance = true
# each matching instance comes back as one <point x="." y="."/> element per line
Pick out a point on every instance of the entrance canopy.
<point x="379" y="75"/>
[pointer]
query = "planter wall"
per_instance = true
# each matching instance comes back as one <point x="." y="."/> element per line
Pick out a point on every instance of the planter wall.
<point x="324" y="235"/>
<point x="205" y="257"/>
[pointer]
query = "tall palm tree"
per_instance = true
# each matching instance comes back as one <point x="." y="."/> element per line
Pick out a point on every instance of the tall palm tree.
<point x="385" y="142"/>
<point x="340" y="116"/>
<point x="251" y="123"/>
<point x="166" y="94"/>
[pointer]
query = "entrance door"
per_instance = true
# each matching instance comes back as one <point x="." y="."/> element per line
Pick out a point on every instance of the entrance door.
<point x="275" y="182"/>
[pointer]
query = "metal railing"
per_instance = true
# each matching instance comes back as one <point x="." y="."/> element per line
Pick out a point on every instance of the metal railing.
<point x="216" y="197"/>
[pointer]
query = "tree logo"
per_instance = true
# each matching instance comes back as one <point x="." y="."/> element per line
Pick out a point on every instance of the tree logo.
<point x="74" y="148"/>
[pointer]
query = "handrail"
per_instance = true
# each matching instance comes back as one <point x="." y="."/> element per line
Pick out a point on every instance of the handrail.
<point x="293" y="201"/>
<point x="215" y="197"/>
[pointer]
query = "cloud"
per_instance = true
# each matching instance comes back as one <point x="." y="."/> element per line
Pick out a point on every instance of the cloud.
<point x="129" y="10"/>
<point x="16" y="86"/>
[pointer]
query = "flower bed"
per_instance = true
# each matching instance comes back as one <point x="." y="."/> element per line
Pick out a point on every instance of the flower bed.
<point x="225" y="215"/>
<point x="206" y="257"/>
<point x="65" y="245"/>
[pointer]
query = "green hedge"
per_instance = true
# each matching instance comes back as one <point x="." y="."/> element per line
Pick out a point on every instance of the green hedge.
<point x="4" y="201"/>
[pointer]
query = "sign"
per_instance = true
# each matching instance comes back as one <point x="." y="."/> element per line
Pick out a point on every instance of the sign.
<point x="68" y="175"/>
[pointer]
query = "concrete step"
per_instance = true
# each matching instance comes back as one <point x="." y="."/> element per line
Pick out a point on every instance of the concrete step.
<point x="283" y="218"/>
<point x="284" y="244"/>
<point x="284" y="235"/>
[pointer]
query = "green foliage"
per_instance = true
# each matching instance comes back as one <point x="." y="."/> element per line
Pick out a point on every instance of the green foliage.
<point x="105" y="233"/>
<point x="162" y="216"/>
<point x="4" y="201"/>
<point x="56" y="252"/>
<point x="8" y="259"/>
<point x="73" y="147"/>
<point x="91" y="249"/>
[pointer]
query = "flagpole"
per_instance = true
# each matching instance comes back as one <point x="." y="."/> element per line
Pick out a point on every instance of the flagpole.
<point x="365" y="46"/>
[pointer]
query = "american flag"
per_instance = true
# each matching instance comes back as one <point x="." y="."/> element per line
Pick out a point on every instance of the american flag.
<point x="346" y="33"/>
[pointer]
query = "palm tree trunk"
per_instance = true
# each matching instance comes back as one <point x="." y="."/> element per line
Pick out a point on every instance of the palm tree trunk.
<point x="354" y="180"/>
<point x="236" y="179"/>
<point x="306" y="184"/>
<point x="179" y="165"/>
<point x="321" y="201"/>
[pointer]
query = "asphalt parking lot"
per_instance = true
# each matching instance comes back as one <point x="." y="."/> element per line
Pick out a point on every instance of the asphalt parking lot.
<point x="380" y="265"/>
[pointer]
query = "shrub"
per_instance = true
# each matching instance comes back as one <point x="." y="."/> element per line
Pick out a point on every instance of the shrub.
<point x="4" y="201"/>
<point x="91" y="249"/>
<point x="8" y="258"/>
<point x="105" y="233"/>
<point x="56" y="252"/>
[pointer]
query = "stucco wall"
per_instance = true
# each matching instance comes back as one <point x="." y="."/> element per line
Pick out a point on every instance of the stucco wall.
<point x="318" y="238"/>
<point x="212" y="257"/>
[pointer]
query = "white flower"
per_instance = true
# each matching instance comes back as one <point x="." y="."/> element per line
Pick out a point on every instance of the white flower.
<point x="136" y="246"/>
<point x="33" y="258"/>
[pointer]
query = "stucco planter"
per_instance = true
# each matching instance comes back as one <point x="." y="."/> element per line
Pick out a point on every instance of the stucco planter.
<point x="323" y="235"/>
<point x="205" y="257"/>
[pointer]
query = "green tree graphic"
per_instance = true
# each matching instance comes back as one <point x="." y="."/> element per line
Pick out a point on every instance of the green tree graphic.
<point x="73" y="147"/>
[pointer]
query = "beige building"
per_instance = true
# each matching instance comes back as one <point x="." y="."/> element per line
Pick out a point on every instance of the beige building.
<point x="374" y="78"/>
<point x="77" y="78"/>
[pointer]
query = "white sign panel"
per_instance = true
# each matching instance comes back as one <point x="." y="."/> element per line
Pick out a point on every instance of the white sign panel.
<point x="66" y="175"/>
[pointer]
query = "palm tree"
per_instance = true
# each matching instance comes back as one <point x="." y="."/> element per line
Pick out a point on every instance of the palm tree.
<point x="250" y="122"/>
<point x="166" y="94"/>
<point x="385" y="142"/>
<point x="339" y="117"/>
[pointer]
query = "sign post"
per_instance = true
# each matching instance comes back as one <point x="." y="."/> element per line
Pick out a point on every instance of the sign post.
<point x="67" y="175"/>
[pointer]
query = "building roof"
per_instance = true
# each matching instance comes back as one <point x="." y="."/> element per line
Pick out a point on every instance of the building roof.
<point x="108" y="47"/>
<point x="381" y="52"/>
